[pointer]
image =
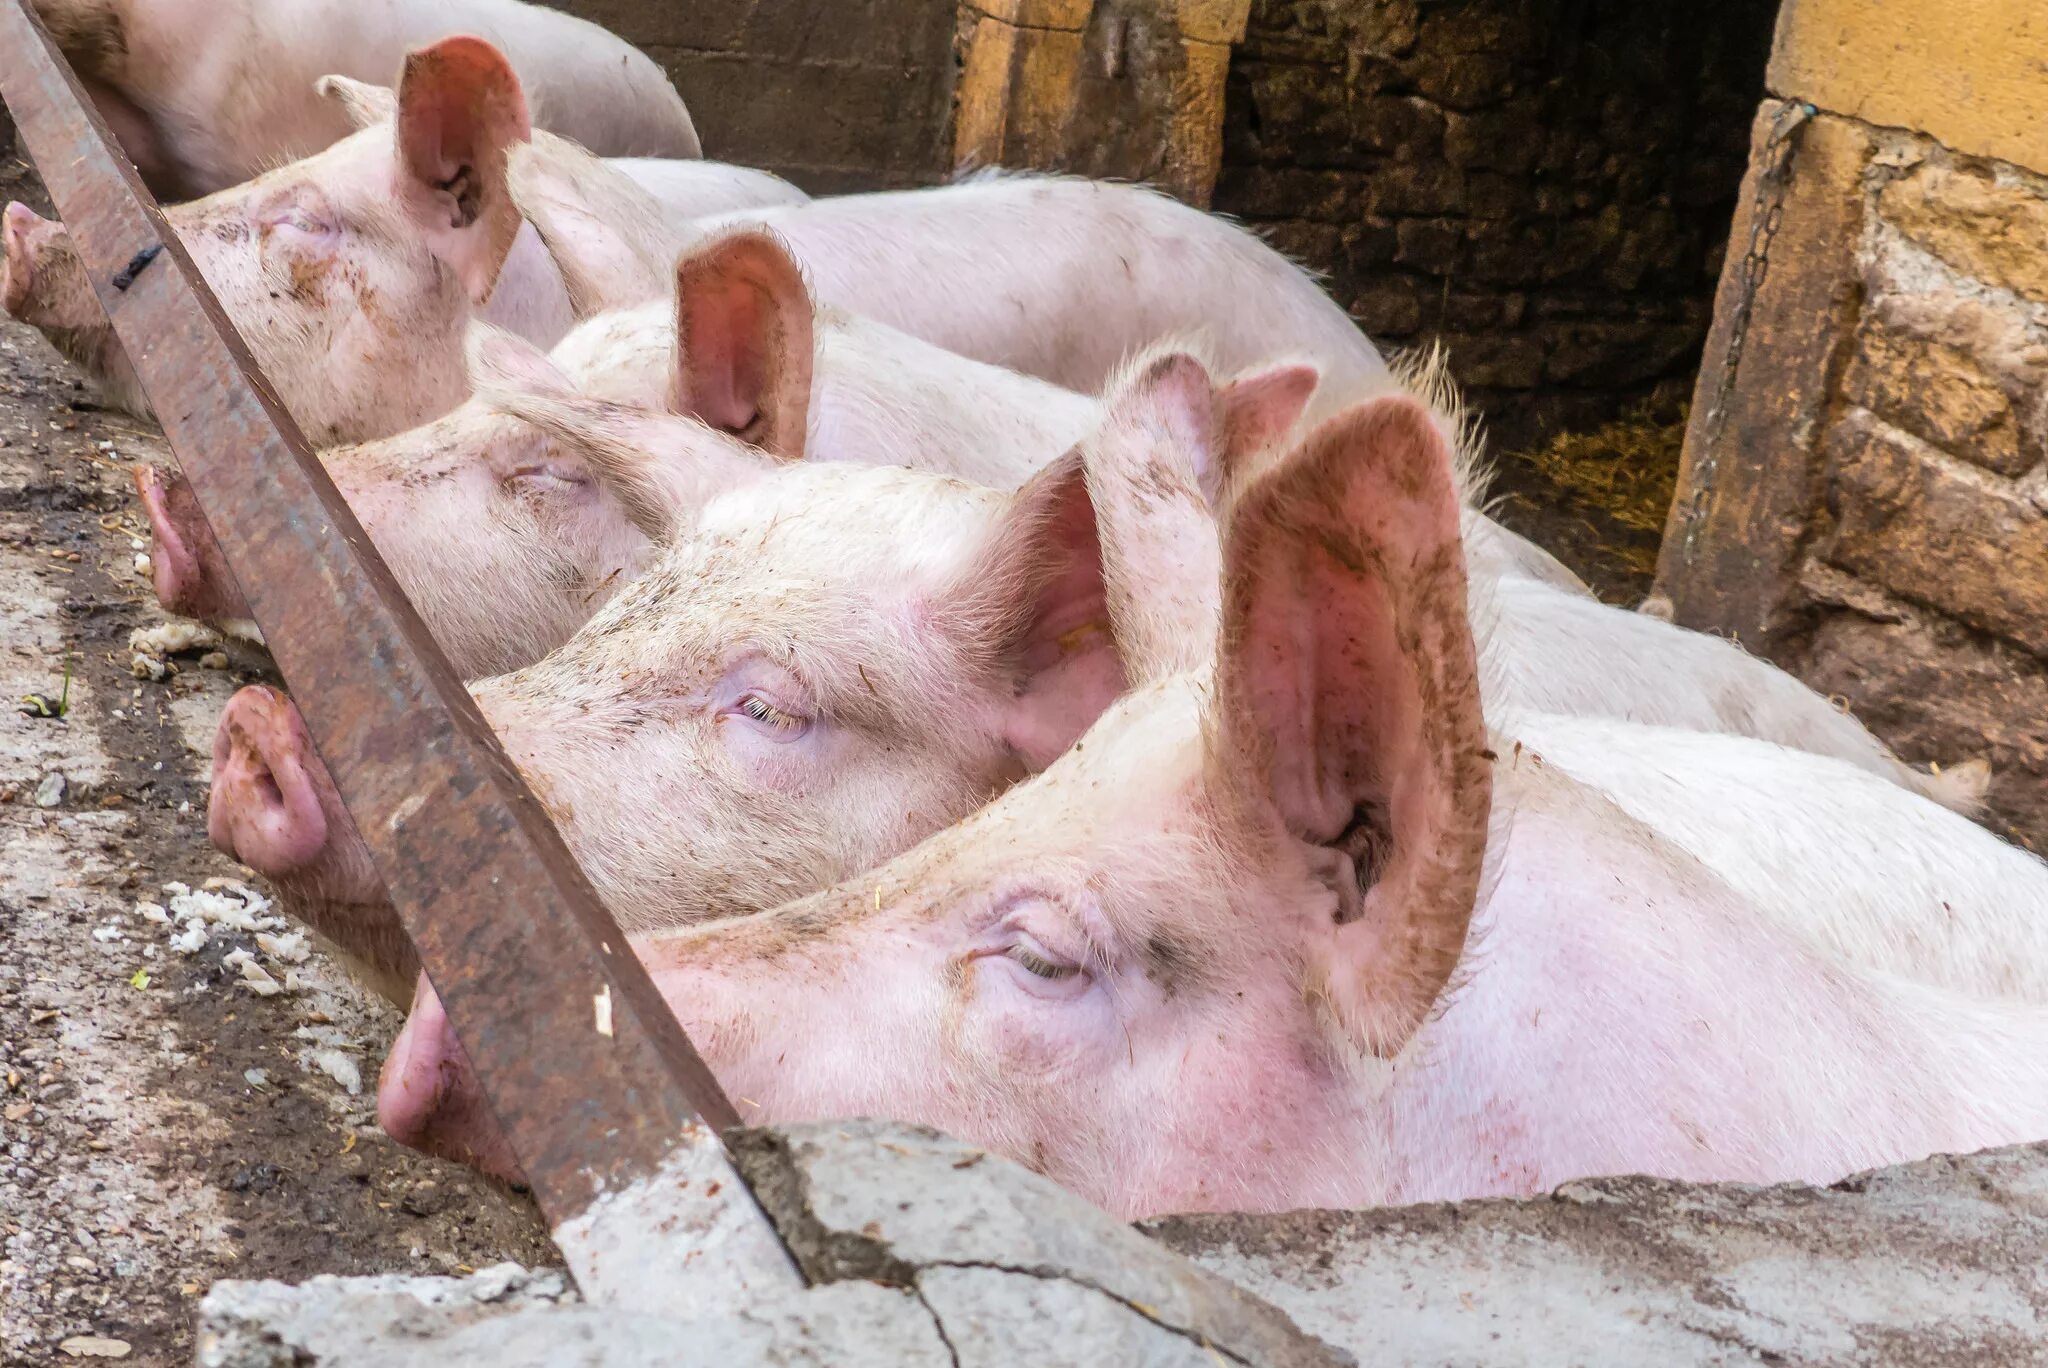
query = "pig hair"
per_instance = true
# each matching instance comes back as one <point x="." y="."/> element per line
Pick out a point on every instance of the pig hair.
<point x="1425" y="374"/>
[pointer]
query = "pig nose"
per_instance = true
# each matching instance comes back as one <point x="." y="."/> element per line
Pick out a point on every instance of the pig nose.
<point x="264" y="808"/>
<point x="17" y="267"/>
<point x="428" y="1098"/>
<point x="185" y="565"/>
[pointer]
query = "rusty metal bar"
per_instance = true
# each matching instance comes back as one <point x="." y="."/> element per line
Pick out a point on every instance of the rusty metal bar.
<point x="593" y="1079"/>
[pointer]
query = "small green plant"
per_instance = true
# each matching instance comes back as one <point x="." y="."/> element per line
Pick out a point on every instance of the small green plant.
<point x="41" y="705"/>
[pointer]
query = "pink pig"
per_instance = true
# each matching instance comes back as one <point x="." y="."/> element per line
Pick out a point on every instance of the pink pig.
<point x="353" y="273"/>
<point x="204" y="94"/>
<point x="1294" y="928"/>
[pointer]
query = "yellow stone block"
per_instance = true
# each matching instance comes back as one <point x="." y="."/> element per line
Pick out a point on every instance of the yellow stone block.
<point x="1973" y="73"/>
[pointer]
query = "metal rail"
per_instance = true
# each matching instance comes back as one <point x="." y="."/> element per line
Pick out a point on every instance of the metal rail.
<point x="591" y="1076"/>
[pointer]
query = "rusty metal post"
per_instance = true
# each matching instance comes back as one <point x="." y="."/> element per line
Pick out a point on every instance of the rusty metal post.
<point x="598" y="1089"/>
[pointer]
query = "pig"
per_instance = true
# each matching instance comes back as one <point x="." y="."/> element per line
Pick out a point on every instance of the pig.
<point x="204" y="94"/>
<point x="507" y="537"/>
<point x="1297" y="929"/>
<point x="352" y="274"/>
<point x="1057" y="277"/>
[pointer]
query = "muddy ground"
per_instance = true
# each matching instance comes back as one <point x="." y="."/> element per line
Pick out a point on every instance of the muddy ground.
<point x="161" y="1124"/>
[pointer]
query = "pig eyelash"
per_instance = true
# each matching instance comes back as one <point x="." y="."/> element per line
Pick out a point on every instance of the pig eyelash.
<point x="1033" y="962"/>
<point x="768" y="715"/>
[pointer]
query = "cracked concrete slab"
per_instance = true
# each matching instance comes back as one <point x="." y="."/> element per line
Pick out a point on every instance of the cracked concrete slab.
<point x="836" y="1192"/>
<point x="1931" y="1263"/>
<point x="918" y="1249"/>
<point x="923" y="1250"/>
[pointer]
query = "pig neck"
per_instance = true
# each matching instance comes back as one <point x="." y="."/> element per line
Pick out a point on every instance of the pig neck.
<point x="530" y="298"/>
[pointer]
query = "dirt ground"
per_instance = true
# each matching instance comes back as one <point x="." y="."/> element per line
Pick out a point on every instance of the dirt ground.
<point x="161" y="1125"/>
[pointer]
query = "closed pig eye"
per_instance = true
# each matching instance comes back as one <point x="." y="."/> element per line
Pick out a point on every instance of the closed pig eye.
<point x="1040" y="965"/>
<point x="780" y="723"/>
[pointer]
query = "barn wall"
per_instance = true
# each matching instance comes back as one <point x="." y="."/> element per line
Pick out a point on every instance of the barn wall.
<point x="1865" y="497"/>
<point x="1543" y="184"/>
<point x="851" y="95"/>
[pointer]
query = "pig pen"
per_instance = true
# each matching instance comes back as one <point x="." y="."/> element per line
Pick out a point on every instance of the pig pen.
<point x="167" y="1123"/>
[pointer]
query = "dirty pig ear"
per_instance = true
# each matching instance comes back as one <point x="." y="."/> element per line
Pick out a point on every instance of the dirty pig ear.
<point x="363" y="103"/>
<point x="1034" y="600"/>
<point x="1347" y="704"/>
<point x="744" y="341"/>
<point x="609" y="238"/>
<point x="460" y="108"/>
<point x="1149" y="463"/>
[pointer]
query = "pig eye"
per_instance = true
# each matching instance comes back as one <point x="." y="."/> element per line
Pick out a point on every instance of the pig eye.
<point x="1041" y="965"/>
<point x="784" y="726"/>
<point x="297" y="223"/>
<point x="547" y="478"/>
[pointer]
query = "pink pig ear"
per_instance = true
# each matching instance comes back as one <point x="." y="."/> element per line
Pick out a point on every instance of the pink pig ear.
<point x="744" y="341"/>
<point x="1349" y="707"/>
<point x="460" y="108"/>
<point x="362" y="103"/>
<point x="609" y="238"/>
<point x="1255" y="412"/>
<point x="1152" y="464"/>
<point x="1033" y="599"/>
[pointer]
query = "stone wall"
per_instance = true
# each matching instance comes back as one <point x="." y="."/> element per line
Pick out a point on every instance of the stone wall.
<point x="853" y="95"/>
<point x="1865" y="491"/>
<point x="1543" y="184"/>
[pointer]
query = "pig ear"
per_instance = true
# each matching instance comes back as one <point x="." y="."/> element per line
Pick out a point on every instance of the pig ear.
<point x="647" y="460"/>
<point x="1150" y="465"/>
<point x="364" y="104"/>
<point x="460" y="109"/>
<point x="1255" y="412"/>
<point x="1035" y="595"/>
<point x="1348" y="704"/>
<point x="743" y="341"/>
<point x="608" y="237"/>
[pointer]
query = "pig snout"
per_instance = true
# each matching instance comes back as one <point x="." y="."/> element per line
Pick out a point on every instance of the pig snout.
<point x="187" y="569"/>
<point x="274" y="809"/>
<point x="18" y="232"/>
<point x="265" y="808"/>
<point x="428" y="1098"/>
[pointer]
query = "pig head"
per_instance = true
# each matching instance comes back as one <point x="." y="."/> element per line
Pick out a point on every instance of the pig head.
<point x="352" y="274"/>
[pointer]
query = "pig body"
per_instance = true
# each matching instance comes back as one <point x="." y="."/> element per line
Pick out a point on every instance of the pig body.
<point x="1101" y="269"/>
<point x="206" y="94"/>
<point x="1295" y="930"/>
<point x="1826" y="850"/>
<point x="342" y="271"/>
<point x="1558" y="652"/>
